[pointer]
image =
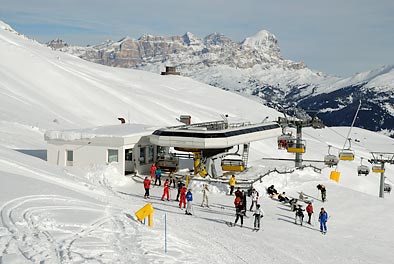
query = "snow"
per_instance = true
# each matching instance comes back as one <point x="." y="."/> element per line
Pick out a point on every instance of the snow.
<point x="52" y="214"/>
<point x="260" y="39"/>
<point x="123" y="130"/>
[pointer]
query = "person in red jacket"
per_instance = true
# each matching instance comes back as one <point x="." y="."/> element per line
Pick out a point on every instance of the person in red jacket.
<point x="237" y="200"/>
<point x="309" y="210"/>
<point x="152" y="171"/>
<point x="147" y="187"/>
<point x="166" y="191"/>
<point x="182" y="199"/>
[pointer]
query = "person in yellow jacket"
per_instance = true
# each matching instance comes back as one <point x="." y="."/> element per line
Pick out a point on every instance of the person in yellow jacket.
<point x="232" y="183"/>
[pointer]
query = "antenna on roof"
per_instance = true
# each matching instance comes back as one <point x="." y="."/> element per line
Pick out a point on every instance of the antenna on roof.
<point x="224" y="117"/>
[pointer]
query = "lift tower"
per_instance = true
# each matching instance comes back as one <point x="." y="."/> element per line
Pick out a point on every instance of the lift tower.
<point x="299" y="146"/>
<point x="381" y="158"/>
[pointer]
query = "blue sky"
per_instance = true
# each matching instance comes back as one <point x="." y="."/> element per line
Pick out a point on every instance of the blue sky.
<point x="339" y="37"/>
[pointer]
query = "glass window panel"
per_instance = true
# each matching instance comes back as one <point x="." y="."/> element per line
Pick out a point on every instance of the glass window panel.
<point x="112" y="155"/>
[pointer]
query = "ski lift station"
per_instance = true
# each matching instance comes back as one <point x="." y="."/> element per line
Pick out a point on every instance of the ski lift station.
<point x="133" y="148"/>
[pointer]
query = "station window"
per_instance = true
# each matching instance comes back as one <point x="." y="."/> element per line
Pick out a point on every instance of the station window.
<point x="142" y="155"/>
<point x="150" y="153"/>
<point x="112" y="155"/>
<point x="69" y="157"/>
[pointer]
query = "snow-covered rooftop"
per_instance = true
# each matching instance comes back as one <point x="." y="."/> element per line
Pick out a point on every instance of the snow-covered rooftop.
<point x="123" y="130"/>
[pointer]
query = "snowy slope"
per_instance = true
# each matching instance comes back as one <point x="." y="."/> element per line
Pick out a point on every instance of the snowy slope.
<point x="53" y="214"/>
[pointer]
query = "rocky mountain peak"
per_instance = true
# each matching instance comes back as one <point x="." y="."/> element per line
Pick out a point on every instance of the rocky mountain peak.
<point x="57" y="44"/>
<point x="263" y="41"/>
<point x="216" y="39"/>
<point x="191" y="40"/>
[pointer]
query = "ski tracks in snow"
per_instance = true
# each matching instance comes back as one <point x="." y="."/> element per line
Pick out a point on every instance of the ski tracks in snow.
<point x="35" y="228"/>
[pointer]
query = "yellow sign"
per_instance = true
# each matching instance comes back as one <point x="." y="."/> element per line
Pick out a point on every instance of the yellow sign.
<point x="335" y="175"/>
<point x="146" y="211"/>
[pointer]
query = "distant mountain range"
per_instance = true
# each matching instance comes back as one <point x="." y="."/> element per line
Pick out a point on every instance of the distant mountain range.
<point x="255" y="67"/>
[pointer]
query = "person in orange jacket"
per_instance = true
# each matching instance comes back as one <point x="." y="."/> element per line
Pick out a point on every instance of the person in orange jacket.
<point x="166" y="191"/>
<point x="147" y="187"/>
<point x="182" y="198"/>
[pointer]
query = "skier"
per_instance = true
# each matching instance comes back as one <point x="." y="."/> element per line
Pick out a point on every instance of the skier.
<point x="182" y="197"/>
<point x="166" y="191"/>
<point x="239" y="210"/>
<point x="293" y="204"/>
<point x="309" y="210"/>
<point x="152" y="171"/>
<point x="258" y="214"/>
<point x="238" y="192"/>
<point x="189" y="198"/>
<point x="158" y="175"/>
<point x="232" y="183"/>
<point x="237" y="200"/>
<point x="172" y="178"/>
<point x="205" y="192"/>
<point x="323" y="191"/>
<point x="243" y="198"/>
<point x="323" y="217"/>
<point x="271" y="190"/>
<point x="299" y="214"/>
<point x="255" y="198"/>
<point x="146" y="186"/>
<point x="282" y="198"/>
<point x="180" y="185"/>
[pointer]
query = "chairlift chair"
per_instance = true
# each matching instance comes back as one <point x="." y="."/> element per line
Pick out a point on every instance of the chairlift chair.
<point x="363" y="169"/>
<point x="284" y="139"/>
<point x="377" y="169"/>
<point x="387" y="188"/>
<point x="294" y="147"/>
<point x="233" y="165"/>
<point x="346" y="154"/>
<point x="330" y="160"/>
<point x="167" y="163"/>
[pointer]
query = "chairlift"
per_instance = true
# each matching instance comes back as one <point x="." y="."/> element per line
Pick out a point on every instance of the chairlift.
<point x="233" y="165"/>
<point x="377" y="169"/>
<point x="330" y="160"/>
<point x="167" y="163"/>
<point x="347" y="154"/>
<point x="294" y="147"/>
<point x="362" y="169"/>
<point x="387" y="188"/>
<point x="284" y="139"/>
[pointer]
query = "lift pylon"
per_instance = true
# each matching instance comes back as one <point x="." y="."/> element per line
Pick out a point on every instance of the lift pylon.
<point x="381" y="158"/>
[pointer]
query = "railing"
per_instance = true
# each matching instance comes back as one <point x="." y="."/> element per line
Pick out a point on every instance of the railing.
<point x="214" y="125"/>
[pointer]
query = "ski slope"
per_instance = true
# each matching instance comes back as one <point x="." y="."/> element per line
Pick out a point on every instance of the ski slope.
<point x="53" y="214"/>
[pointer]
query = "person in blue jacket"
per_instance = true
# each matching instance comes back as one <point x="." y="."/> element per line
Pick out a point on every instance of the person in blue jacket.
<point x="189" y="199"/>
<point x="323" y="217"/>
<point x="158" y="176"/>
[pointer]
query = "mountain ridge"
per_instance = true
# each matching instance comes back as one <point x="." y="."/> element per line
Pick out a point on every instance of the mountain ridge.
<point x="253" y="66"/>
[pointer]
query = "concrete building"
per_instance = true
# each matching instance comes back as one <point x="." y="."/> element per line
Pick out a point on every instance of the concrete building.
<point x="127" y="145"/>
